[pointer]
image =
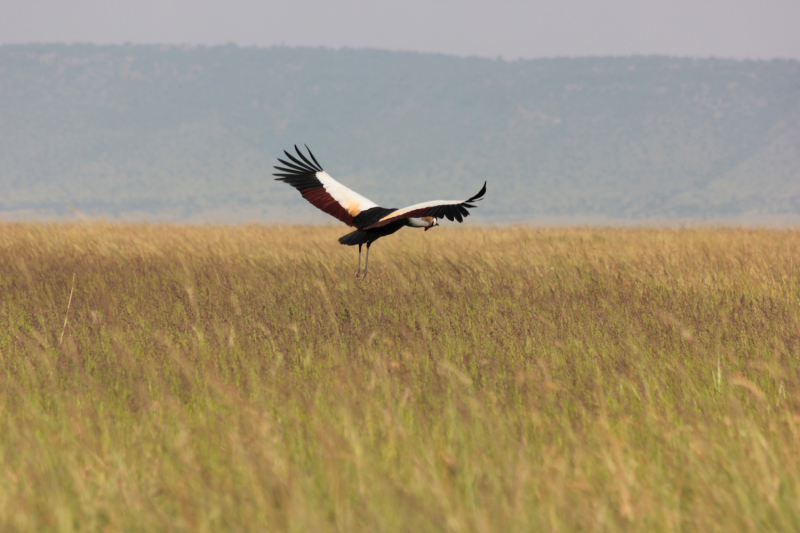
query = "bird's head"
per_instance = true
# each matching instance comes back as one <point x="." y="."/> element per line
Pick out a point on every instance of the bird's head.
<point x="433" y="222"/>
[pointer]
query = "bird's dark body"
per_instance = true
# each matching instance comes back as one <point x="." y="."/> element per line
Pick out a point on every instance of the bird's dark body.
<point x="370" y="216"/>
<point x="369" y="236"/>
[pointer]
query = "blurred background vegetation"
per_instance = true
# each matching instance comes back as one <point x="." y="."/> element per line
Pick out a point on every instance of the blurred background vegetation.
<point x="192" y="133"/>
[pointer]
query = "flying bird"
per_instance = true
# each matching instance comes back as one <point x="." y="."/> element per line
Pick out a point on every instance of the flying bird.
<point x="370" y="220"/>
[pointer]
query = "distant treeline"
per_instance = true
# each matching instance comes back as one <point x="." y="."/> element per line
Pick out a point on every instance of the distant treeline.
<point x="180" y="132"/>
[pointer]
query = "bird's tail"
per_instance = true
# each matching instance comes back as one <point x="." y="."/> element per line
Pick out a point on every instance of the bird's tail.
<point x="356" y="237"/>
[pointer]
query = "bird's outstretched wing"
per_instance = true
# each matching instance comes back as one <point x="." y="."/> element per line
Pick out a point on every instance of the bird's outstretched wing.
<point x="449" y="209"/>
<point x="321" y="190"/>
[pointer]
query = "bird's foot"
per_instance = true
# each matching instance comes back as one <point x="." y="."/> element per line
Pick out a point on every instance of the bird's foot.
<point x="357" y="274"/>
<point x="361" y="275"/>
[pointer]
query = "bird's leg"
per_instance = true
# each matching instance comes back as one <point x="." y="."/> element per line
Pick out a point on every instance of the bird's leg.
<point x="358" y="272"/>
<point x="366" y="263"/>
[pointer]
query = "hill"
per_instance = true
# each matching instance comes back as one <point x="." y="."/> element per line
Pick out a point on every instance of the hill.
<point x="192" y="133"/>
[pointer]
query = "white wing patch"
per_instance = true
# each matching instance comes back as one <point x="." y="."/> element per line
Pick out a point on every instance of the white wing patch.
<point x="352" y="202"/>
<point x="400" y="212"/>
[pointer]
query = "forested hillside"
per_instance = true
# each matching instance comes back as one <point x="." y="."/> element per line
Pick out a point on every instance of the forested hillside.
<point x="186" y="133"/>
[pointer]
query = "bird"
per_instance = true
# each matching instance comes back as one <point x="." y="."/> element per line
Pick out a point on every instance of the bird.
<point x="370" y="220"/>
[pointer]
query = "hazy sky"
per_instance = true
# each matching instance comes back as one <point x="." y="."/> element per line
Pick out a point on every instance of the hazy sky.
<point x="513" y="29"/>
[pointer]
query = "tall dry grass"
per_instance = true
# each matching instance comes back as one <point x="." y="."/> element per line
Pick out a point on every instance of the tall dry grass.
<point x="239" y="379"/>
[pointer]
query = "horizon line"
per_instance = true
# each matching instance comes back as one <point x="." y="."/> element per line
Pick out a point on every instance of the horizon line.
<point x="190" y="47"/>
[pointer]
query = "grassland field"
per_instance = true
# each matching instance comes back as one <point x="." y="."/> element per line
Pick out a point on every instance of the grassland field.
<point x="178" y="378"/>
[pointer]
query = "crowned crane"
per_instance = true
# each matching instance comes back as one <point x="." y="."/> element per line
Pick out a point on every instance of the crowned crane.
<point x="370" y="220"/>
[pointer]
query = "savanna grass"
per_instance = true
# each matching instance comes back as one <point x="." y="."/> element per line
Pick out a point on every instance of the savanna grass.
<point x="240" y="379"/>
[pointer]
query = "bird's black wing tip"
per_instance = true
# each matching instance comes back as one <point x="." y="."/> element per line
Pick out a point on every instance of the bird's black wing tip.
<point x="316" y="167"/>
<point x="319" y="167"/>
<point x="302" y="165"/>
<point x="478" y="197"/>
